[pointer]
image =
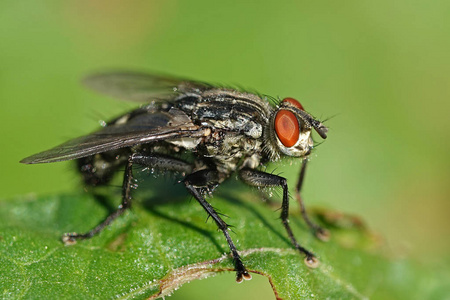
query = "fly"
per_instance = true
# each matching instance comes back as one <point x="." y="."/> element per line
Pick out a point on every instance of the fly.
<point x="205" y="132"/>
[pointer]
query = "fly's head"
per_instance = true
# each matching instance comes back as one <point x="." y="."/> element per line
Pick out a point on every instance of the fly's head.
<point x="290" y="129"/>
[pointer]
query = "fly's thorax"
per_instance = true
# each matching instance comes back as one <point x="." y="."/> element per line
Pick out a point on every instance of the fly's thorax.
<point x="288" y="131"/>
<point x="226" y="109"/>
<point x="229" y="150"/>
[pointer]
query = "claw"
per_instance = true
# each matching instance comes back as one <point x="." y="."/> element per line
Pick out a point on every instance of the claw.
<point x="312" y="262"/>
<point x="69" y="239"/>
<point x="322" y="234"/>
<point x="240" y="276"/>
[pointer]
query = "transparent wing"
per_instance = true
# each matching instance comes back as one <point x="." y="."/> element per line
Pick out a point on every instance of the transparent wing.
<point x="142" y="129"/>
<point x="141" y="87"/>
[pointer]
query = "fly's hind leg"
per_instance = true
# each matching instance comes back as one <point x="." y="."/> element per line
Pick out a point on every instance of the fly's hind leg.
<point x="319" y="232"/>
<point x="262" y="179"/>
<point x="205" y="179"/>
<point x="154" y="161"/>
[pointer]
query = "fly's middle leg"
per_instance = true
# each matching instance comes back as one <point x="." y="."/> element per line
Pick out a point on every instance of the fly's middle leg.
<point x="154" y="161"/>
<point x="262" y="179"/>
<point x="206" y="178"/>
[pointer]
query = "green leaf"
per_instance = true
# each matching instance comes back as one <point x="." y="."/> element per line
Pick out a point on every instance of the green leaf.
<point x="160" y="245"/>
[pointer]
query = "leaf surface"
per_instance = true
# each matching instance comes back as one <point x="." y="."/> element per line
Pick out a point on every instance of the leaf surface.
<point x="160" y="245"/>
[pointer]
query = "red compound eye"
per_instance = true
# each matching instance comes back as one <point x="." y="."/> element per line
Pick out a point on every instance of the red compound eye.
<point x="293" y="102"/>
<point x="286" y="127"/>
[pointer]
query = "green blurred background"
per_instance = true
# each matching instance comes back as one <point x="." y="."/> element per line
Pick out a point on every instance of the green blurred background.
<point x="381" y="68"/>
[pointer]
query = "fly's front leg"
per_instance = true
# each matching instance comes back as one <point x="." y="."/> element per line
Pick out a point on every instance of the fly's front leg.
<point x="206" y="178"/>
<point x="154" y="161"/>
<point x="262" y="179"/>
<point x="319" y="232"/>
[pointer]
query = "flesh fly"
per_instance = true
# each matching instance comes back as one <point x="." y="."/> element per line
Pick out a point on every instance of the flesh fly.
<point x="203" y="131"/>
